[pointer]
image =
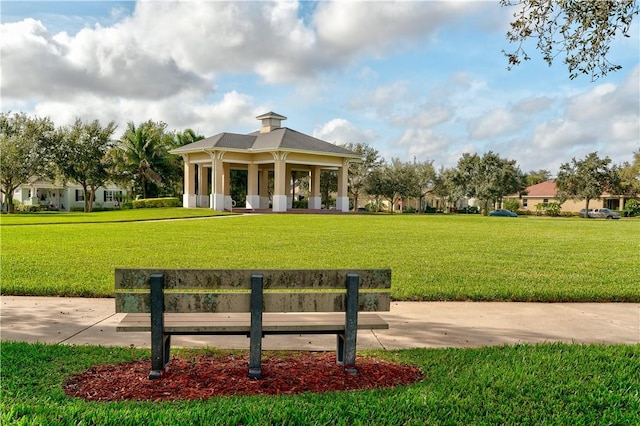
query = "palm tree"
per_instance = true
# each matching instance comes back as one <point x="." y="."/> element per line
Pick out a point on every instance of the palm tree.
<point x="186" y="137"/>
<point x="144" y="156"/>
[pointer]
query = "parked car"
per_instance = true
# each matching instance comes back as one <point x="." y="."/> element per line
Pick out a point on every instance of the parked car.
<point x="502" y="212"/>
<point x="601" y="213"/>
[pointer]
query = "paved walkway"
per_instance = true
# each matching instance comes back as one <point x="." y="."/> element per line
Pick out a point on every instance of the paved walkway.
<point x="412" y="325"/>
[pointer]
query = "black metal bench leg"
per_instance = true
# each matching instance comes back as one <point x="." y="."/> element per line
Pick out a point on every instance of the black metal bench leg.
<point x="351" y="324"/>
<point x="159" y="346"/>
<point x="167" y="349"/>
<point x="255" y="336"/>
<point x="340" y="348"/>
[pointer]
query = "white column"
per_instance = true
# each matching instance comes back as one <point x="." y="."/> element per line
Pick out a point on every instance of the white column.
<point x="315" y="200"/>
<point x="202" y="187"/>
<point x="253" y="193"/>
<point x="189" y="199"/>
<point x="279" y="183"/>
<point x="217" y="182"/>
<point x="34" y="200"/>
<point x="228" y="202"/>
<point x="287" y="187"/>
<point x="342" y="200"/>
<point x="264" y="189"/>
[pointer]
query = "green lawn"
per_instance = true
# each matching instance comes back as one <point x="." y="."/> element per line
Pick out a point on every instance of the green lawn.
<point x="555" y="384"/>
<point x="433" y="257"/>
<point x="45" y="218"/>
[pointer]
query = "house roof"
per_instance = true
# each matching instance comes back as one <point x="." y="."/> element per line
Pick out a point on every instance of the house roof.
<point x="543" y="189"/>
<point x="278" y="139"/>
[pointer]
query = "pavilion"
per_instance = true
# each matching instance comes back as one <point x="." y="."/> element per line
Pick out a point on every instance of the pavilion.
<point x="272" y="149"/>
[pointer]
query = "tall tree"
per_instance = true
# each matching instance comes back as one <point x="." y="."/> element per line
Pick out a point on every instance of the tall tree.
<point x="141" y="158"/>
<point x="404" y="180"/>
<point x="488" y="178"/>
<point x="630" y="176"/>
<point x="25" y="151"/>
<point x="426" y="179"/>
<point x="379" y="186"/>
<point x="359" y="171"/>
<point x="444" y="187"/>
<point x="82" y="156"/>
<point x="185" y="137"/>
<point x="580" y="29"/>
<point x="587" y="179"/>
<point x="393" y="182"/>
<point x="535" y="177"/>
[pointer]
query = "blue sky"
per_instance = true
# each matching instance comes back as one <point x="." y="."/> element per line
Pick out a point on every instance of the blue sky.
<point x="416" y="80"/>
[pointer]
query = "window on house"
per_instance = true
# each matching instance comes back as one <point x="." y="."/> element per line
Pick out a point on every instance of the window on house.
<point x="79" y="195"/>
<point x="524" y="202"/>
<point x="109" y="196"/>
<point x="545" y="201"/>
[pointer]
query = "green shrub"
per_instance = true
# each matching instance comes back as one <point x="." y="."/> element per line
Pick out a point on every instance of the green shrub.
<point x="632" y="208"/>
<point x="548" y="209"/>
<point x="374" y="206"/>
<point x="512" y="205"/>
<point x="553" y="209"/>
<point x="24" y="208"/>
<point x="469" y="210"/>
<point x="151" y="203"/>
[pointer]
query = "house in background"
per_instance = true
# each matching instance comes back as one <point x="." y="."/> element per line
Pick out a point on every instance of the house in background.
<point x="61" y="197"/>
<point x="546" y="192"/>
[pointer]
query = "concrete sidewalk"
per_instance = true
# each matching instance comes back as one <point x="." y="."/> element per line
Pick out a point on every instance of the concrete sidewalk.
<point x="412" y="325"/>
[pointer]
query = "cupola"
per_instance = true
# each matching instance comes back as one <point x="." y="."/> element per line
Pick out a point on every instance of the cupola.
<point x="270" y="121"/>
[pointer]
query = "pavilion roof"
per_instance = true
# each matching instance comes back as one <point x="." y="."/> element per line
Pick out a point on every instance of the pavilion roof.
<point x="278" y="139"/>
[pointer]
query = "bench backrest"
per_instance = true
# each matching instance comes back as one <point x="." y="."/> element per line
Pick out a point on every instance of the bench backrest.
<point x="229" y="290"/>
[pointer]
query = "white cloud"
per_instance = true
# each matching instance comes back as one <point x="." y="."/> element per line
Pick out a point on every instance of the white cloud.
<point x="101" y="61"/>
<point x="385" y="100"/>
<point x="425" y="144"/>
<point x="341" y="131"/>
<point x="626" y="128"/>
<point x="561" y="133"/>
<point x="232" y="112"/>
<point x="346" y="29"/>
<point x="533" y="104"/>
<point x="212" y="37"/>
<point x="411" y="78"/>
<point x="605" y="118"/>
<point x="492" y="124"/>
<point x="426" y="116"/>
<point x="607" y="100"/>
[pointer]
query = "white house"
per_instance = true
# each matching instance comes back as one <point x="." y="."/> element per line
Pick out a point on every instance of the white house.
<point x="65" y="197"/>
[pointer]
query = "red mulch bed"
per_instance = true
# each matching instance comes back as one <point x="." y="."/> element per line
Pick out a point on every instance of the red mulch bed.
<point x="206" y="376"/>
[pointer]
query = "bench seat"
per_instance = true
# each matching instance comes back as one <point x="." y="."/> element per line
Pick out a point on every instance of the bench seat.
<point x="240" y="323"/>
